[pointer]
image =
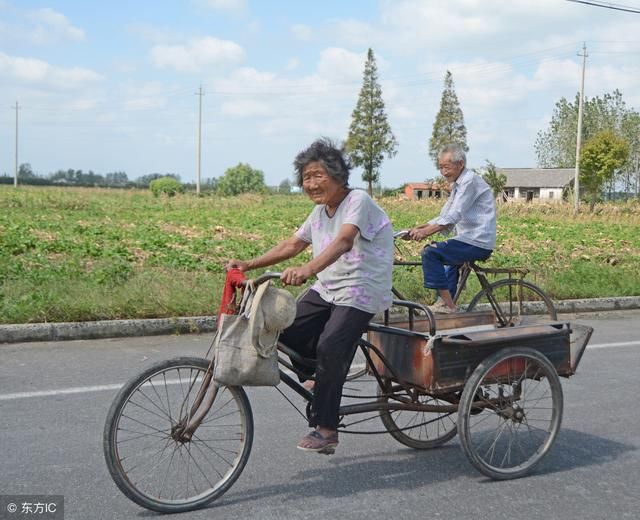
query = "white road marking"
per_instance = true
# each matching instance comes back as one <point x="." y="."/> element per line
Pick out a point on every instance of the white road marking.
<point x="101" y="388"/>
<point x="611" y="345"/>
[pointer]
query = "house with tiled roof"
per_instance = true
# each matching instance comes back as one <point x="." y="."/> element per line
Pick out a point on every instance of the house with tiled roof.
<point x="537" y="184"/>
<point x="425" y="190"/>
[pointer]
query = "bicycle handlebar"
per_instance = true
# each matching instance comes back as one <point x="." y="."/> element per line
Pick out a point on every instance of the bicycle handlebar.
<point x="269" y="275"/>
<point x="401" y="234"/>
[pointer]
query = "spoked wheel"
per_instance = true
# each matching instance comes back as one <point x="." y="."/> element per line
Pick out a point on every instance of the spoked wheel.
<point x="510" y="412"/>
<point x="419" y="430"/>
<point x="358" y="366"/>
<point x="153" y="460"/>
<point x="516" y="302"/>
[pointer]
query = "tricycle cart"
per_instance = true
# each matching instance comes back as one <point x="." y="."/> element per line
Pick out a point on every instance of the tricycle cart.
<point x="175" y="440"/>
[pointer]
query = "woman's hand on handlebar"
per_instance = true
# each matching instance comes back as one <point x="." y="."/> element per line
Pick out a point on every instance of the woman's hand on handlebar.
<point x="237" y="264"/>
<point x="296" y="275"/>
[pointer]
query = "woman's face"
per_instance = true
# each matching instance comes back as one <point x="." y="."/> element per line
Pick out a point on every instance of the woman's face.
<point x="320" y="186"/>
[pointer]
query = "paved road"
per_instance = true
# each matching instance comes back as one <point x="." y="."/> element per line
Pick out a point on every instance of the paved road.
<point x="54" y="398"/>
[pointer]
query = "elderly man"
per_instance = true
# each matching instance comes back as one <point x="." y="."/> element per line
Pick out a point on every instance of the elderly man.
<point x="471" y="210"/>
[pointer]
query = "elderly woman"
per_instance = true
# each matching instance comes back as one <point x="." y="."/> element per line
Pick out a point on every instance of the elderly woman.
<point x="352" y="242"/>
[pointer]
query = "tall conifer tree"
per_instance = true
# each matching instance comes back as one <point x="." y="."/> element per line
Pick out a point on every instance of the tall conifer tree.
<point x="449" y="124"/>
<point x="370" y="136"/>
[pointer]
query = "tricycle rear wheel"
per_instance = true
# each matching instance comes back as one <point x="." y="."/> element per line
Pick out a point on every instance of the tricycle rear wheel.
<point x="510" y="412"/>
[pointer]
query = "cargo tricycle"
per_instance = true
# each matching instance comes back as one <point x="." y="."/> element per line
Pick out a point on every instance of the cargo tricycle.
<point x="175" y="440"/>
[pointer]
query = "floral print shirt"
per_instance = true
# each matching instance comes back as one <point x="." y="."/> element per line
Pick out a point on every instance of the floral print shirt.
<point x="360" y="278"/>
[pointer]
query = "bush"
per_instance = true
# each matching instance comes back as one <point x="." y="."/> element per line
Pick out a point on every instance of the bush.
<point x="167" y="185"/>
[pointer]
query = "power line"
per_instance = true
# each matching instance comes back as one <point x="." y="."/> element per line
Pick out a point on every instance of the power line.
<point x="607" y="5"/>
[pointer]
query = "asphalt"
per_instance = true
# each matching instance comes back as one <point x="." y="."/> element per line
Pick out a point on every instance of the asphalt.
<point x="29" y="332"/>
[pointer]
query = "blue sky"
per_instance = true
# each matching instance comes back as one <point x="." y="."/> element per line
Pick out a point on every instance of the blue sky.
<point x="110" y="86"/>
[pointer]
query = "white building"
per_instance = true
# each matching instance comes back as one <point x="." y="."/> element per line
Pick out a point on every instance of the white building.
<point x="537" y="184"/>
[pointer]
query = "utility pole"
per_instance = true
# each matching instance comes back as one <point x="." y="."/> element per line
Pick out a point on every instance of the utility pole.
<point x="15" y="176"/>
<point x="199" y="151"/>
<point x="576" y="185"/>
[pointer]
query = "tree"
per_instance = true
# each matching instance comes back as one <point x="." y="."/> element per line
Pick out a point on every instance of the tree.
<point x="370" y="136"/>
<point x="601" y="156"/>
<point x="241" y="179"/>
<point x="285" y="186"/>
<point x="25" y="172"/>
<point x="449" y="126"/>
<point x="168" y="186"/>
<point x="555" y="147"/>
<point x="119" y="179"/>
<point x="145" y="180"/>
<point x="495" y="180"/>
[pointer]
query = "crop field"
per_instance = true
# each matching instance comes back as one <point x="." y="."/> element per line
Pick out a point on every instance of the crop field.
<point x="87" y="254"/>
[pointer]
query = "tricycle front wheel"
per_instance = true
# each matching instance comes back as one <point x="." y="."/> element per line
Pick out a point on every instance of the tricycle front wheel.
<point x="510" y="412"/>
<point x="152" y="460"/>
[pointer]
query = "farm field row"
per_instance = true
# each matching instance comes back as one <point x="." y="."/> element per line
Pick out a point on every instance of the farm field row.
<point x="88" y="254"/>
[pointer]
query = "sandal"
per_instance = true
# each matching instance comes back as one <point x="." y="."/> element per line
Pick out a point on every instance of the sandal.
<point x="318" y="443"/>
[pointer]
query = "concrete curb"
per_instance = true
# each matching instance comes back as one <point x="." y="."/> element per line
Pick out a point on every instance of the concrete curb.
<point x="105" y="329"/>
<point x="202" y="324"/>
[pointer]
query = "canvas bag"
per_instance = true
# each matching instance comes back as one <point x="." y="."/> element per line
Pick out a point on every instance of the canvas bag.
<point x="237" y="360"/>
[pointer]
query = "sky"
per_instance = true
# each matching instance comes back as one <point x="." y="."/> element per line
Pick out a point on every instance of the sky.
<point x="112" y="86"/>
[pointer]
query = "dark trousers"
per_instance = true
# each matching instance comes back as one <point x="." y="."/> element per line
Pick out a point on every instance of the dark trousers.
<point x="452" y="254"/>
<point x="328" y="333"/>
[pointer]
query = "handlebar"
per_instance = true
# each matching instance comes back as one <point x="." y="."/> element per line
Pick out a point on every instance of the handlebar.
<point x="401" y="234"/>
<point x="269" y="275"/>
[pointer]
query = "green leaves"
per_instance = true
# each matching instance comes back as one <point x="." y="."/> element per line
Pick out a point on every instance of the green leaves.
<point x="241" y="179"/>
<point x="449" y="126"/>
<point x="370" y="136"/>
<point x="601" y="156"/>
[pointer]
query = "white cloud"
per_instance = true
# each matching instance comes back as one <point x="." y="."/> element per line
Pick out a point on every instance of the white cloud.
<point x="302" y="32"/>
<point x="144" y="96"/>
<point x="246" y="108"/>
<point x="338" y="65"/>
<point x="292" y="64"/>
<point x="228" y="5"/>
<point x="197" y="54"/>
<point x="40" y="73"/>
<point x="52" y="26"/>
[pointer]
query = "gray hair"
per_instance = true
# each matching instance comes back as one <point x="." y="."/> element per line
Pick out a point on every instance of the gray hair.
<point x="330" y="155"/>
<point x="456" y="151"/>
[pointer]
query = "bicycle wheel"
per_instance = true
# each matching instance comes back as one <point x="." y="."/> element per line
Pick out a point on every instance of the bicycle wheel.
<point x="150" y="460"/>
<point x="510" y="412"/>
<point x="358" y="366"/>
<point x="419" y="430"/>
<point x="516" y="302"/>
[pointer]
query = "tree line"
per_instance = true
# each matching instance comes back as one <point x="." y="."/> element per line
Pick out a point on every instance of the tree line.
<point x="610" y="157"/>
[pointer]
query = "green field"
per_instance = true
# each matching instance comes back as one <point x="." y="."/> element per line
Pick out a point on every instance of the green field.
<point x="84" y="254"/>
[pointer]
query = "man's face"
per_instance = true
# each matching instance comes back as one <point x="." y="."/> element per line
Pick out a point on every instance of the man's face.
<point x="449" y="169"/>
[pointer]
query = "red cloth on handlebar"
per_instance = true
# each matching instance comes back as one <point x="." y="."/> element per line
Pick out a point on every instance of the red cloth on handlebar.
<point x="234" y="280"/>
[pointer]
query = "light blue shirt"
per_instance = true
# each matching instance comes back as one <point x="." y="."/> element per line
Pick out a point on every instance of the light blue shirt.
<point x="471" y="209"/>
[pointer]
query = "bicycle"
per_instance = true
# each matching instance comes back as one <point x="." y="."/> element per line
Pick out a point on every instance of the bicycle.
<point x="175" y="440"/>
<point x="514" y="301"/>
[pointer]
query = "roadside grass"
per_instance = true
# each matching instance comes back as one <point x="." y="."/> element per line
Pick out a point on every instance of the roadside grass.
<point x="70" y="254"/>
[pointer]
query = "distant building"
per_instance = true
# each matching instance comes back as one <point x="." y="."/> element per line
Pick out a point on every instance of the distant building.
<point x="537" y="184"/>
<point x="425" y="190"/>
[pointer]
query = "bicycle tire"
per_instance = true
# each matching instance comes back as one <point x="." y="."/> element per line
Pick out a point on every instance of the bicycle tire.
<point x="518" y="422"/>
<point x="145" y="415"/>
<point x="535" y="307"/>
<point x="419" y="430"/>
